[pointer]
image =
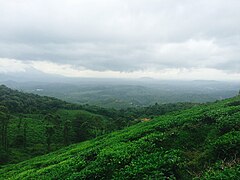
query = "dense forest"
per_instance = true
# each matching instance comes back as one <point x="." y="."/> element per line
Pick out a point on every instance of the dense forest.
<point x="201" y="142"/>
<point x="33" y="125"/>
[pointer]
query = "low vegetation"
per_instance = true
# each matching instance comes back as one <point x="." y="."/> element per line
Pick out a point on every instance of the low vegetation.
<point x="198" y="143"/>
<point x="33" y="125"/>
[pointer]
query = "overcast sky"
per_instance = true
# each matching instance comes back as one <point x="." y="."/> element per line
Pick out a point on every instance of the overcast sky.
<point x="166" y="39"/>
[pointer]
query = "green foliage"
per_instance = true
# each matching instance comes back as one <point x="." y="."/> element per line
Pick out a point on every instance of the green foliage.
<point x="222" y="171"/>
<point x="18" y="102"/>
<point x="229" y="123"/>
<point x="158" y="165"/>
<point x="227" y="146"/>
<point x="201" y="143"/>
<point x="33" y="115"/>
<point x="4" y="156"/>
<point x="36" y="134"/>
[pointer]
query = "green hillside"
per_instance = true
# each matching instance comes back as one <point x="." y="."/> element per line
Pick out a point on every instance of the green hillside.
<point x="202" y="143"/>
<point x="31" y="121"/>
<point x="19" y="102"/>
<point x="33" y="125"/>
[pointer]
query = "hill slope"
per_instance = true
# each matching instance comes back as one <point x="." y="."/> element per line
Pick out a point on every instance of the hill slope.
<point x="202" y="142"/>
<point x="19" y="102"/>
<point x="28" y="118"/>
<point x="36" y="125"/>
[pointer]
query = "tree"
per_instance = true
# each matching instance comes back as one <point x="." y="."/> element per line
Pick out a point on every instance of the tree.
<point x="66" y="130"/>
<point x="49" y="133"/>
<point x="4" y="119"/>
<point x="49" y="118"/>
<point x="57" y="120"/>
<point x="20" y="121"/>
<point x="81" y="128"/>
<point x="21" y="134"/>
<point x="25" y="135"/>
<point x="53" y="119"/>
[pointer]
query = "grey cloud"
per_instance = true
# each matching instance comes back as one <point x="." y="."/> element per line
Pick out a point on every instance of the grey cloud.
<point x="123" y="35"/>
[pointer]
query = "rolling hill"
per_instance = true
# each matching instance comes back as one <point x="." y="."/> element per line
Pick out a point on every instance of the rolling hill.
<point x="198" y="143"/>
<point x="33" y="125"/>
<point x="120" y="94"/>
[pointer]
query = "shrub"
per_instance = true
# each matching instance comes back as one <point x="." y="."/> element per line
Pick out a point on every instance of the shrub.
<point x="227" y="146"/>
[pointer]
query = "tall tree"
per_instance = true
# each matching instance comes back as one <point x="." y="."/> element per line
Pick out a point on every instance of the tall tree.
<point x="49" y="133"/>
<point x="81" y="128"/>
<point x="25" y="135"/>
<point x="66" y="131"/>
<point x="4" y="119"/>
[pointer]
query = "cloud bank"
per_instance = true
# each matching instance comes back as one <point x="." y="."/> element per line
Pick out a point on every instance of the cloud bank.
<point x="163" y="38"/>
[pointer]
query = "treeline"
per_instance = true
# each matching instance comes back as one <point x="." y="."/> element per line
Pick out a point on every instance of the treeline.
<point x="27" y="135"/>
<point x="19" y="102"/>
<point x="130" y="116"/>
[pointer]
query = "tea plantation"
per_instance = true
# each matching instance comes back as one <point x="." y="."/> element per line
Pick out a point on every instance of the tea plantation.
<point x="198" y="143"/>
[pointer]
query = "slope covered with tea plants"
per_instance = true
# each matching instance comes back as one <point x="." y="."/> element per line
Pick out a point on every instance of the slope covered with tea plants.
<point x="32" y="125"/>
<point x="199" y="143"/>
